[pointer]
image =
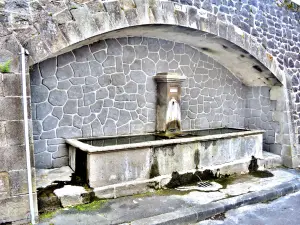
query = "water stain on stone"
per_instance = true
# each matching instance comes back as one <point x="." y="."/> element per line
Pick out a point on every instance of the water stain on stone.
<point x="196" y="158"/>
<point x="154" y="170"/>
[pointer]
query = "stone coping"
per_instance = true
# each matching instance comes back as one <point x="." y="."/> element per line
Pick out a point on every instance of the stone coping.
<point x="96" y="149"/>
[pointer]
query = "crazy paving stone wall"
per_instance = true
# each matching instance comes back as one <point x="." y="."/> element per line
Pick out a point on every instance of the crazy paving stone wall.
<point x="107" y="88"/>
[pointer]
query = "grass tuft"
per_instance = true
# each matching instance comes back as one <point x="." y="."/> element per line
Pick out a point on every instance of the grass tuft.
<point x="5" y="67"/>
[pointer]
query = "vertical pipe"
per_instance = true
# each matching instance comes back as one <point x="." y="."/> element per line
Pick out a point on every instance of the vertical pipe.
<point x="29" y="176"/>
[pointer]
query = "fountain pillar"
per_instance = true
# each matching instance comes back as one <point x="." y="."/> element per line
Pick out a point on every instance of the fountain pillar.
<point x="168" y="114"/>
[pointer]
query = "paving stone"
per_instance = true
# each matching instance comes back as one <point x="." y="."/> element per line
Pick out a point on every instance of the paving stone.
<point x="50" y="82"/>
<point x="109" y="61"/>
<point x="65" y="121"/>
<point x="38" y="93"/>
<point x="75" y="92"/>
<point x="162" y="67"/>
<point x="96" y="108"/>
<point x="49" y="123"/>
<point x="141" y="51"/>
<point x="153" y="45"/>
<point x="89" y="98"/>
<point x="128" y="54"/>
<point x="43" y="160"/>
<point x="136" y="65"/>
<point x="130" y="87"/>
<point x="64" y="85"/>
<point x="65" y="59"/>
<point x="138" y="76"/>
<point x="40" y="146"/>
<point x="64" y="73"/>
<point x="71" y="195"/>
<point x="84" y="111"/>
<point x="58" y="97"/>
<point x="43" y="109"/>
<point x="97" y="46"/>
<point x="118" y="79"/>
<point x="148" y="67"/>
<point x="83" y="54"/>
<point x="70" y="107"/>
<point x="104" y="80"/>
<point x="57" y="112"/>
<point x="114" y="48"/>
<point x="68" y="132"/>
<point x="48" y="67"/>
<point x="113" y="114"/>
<point x="109" y="127"/>
<point x="48" y="134"/>
<point x="80" y="69"/>
<point x="166" y="45"/>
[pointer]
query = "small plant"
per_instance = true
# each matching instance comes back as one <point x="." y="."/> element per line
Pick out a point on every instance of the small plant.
<point x="5" y="67"/>
<point x="289" y="5"/>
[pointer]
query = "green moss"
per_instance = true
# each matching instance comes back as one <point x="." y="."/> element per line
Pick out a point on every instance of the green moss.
<point x="5" y="67"/>
<point x="47" y="215"/>
<point x="91" y="206"/>
<point x="226" y="180"/>
<point x="289" y="5"/>
<point x="161" y="192"/>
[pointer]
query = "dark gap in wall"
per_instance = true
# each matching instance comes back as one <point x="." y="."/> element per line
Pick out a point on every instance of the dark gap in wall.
<point x="257" y="68"/>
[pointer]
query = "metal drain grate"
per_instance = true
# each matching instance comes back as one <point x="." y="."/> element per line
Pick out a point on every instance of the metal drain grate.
<point x="204" y="184"/>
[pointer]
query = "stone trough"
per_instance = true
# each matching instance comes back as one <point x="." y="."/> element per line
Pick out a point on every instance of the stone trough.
<point x="110" y="161"/>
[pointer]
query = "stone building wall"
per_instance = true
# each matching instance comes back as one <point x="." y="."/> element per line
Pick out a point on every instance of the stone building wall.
<point x="107" y="88"/>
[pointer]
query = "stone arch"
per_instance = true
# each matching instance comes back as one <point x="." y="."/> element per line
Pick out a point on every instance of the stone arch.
<point x="59" y="31"/>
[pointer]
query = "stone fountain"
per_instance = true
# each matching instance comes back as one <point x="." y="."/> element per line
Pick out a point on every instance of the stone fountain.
<point x="168" y="113"/>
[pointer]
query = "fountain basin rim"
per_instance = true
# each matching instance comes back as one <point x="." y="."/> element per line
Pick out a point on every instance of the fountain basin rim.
<point x="77" y="143"/>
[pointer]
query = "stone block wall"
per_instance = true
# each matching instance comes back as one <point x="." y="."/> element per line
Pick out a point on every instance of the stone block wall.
<point x="14" y="199"/>
<point x="107" y="88"/>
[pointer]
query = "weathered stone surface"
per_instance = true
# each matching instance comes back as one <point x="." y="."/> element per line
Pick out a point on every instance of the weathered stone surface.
<point x="75" y="92"/>
<point x="71" y="195"/>
<point x="83" y="54"/>
<point x="118" y="79"/>
<point x="64" y="73"/>
<point x="114" y="48"/>
<point x="128" y="54"/>
<point x="43" y="160"/>
<point x="49" y="123"/>
<point x="80" y="69"/>
<point x="68" y="132"/>
<point x="38" y="93"/>
<point x="48" y="67"/>
<point x="138" y="76"/>
<point x="109" y="127"/>
<point x="50" y="82"/>
<point x="43" y="109"/>
<point x="70" y="107"/>
<point x="65" y="59"/>
<point x="58" y="97"/>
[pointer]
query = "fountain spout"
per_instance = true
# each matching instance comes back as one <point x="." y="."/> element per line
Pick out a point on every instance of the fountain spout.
<point x="173" y="117"/>
<point x="168" y="114"/>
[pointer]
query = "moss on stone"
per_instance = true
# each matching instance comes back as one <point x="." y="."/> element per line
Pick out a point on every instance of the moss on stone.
<point x="5" y="67"/>
<point x="48" y="215"/>
<point x="91" y="206"/>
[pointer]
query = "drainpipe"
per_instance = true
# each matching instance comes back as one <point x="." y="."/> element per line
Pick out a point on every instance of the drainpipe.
<point x="26" y="135"/>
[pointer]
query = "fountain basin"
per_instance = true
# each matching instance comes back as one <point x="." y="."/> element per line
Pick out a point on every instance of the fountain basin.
<point x="114" y="160"/>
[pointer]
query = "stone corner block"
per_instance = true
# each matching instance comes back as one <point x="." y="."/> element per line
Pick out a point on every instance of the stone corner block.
<point x="72" y="195"/>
